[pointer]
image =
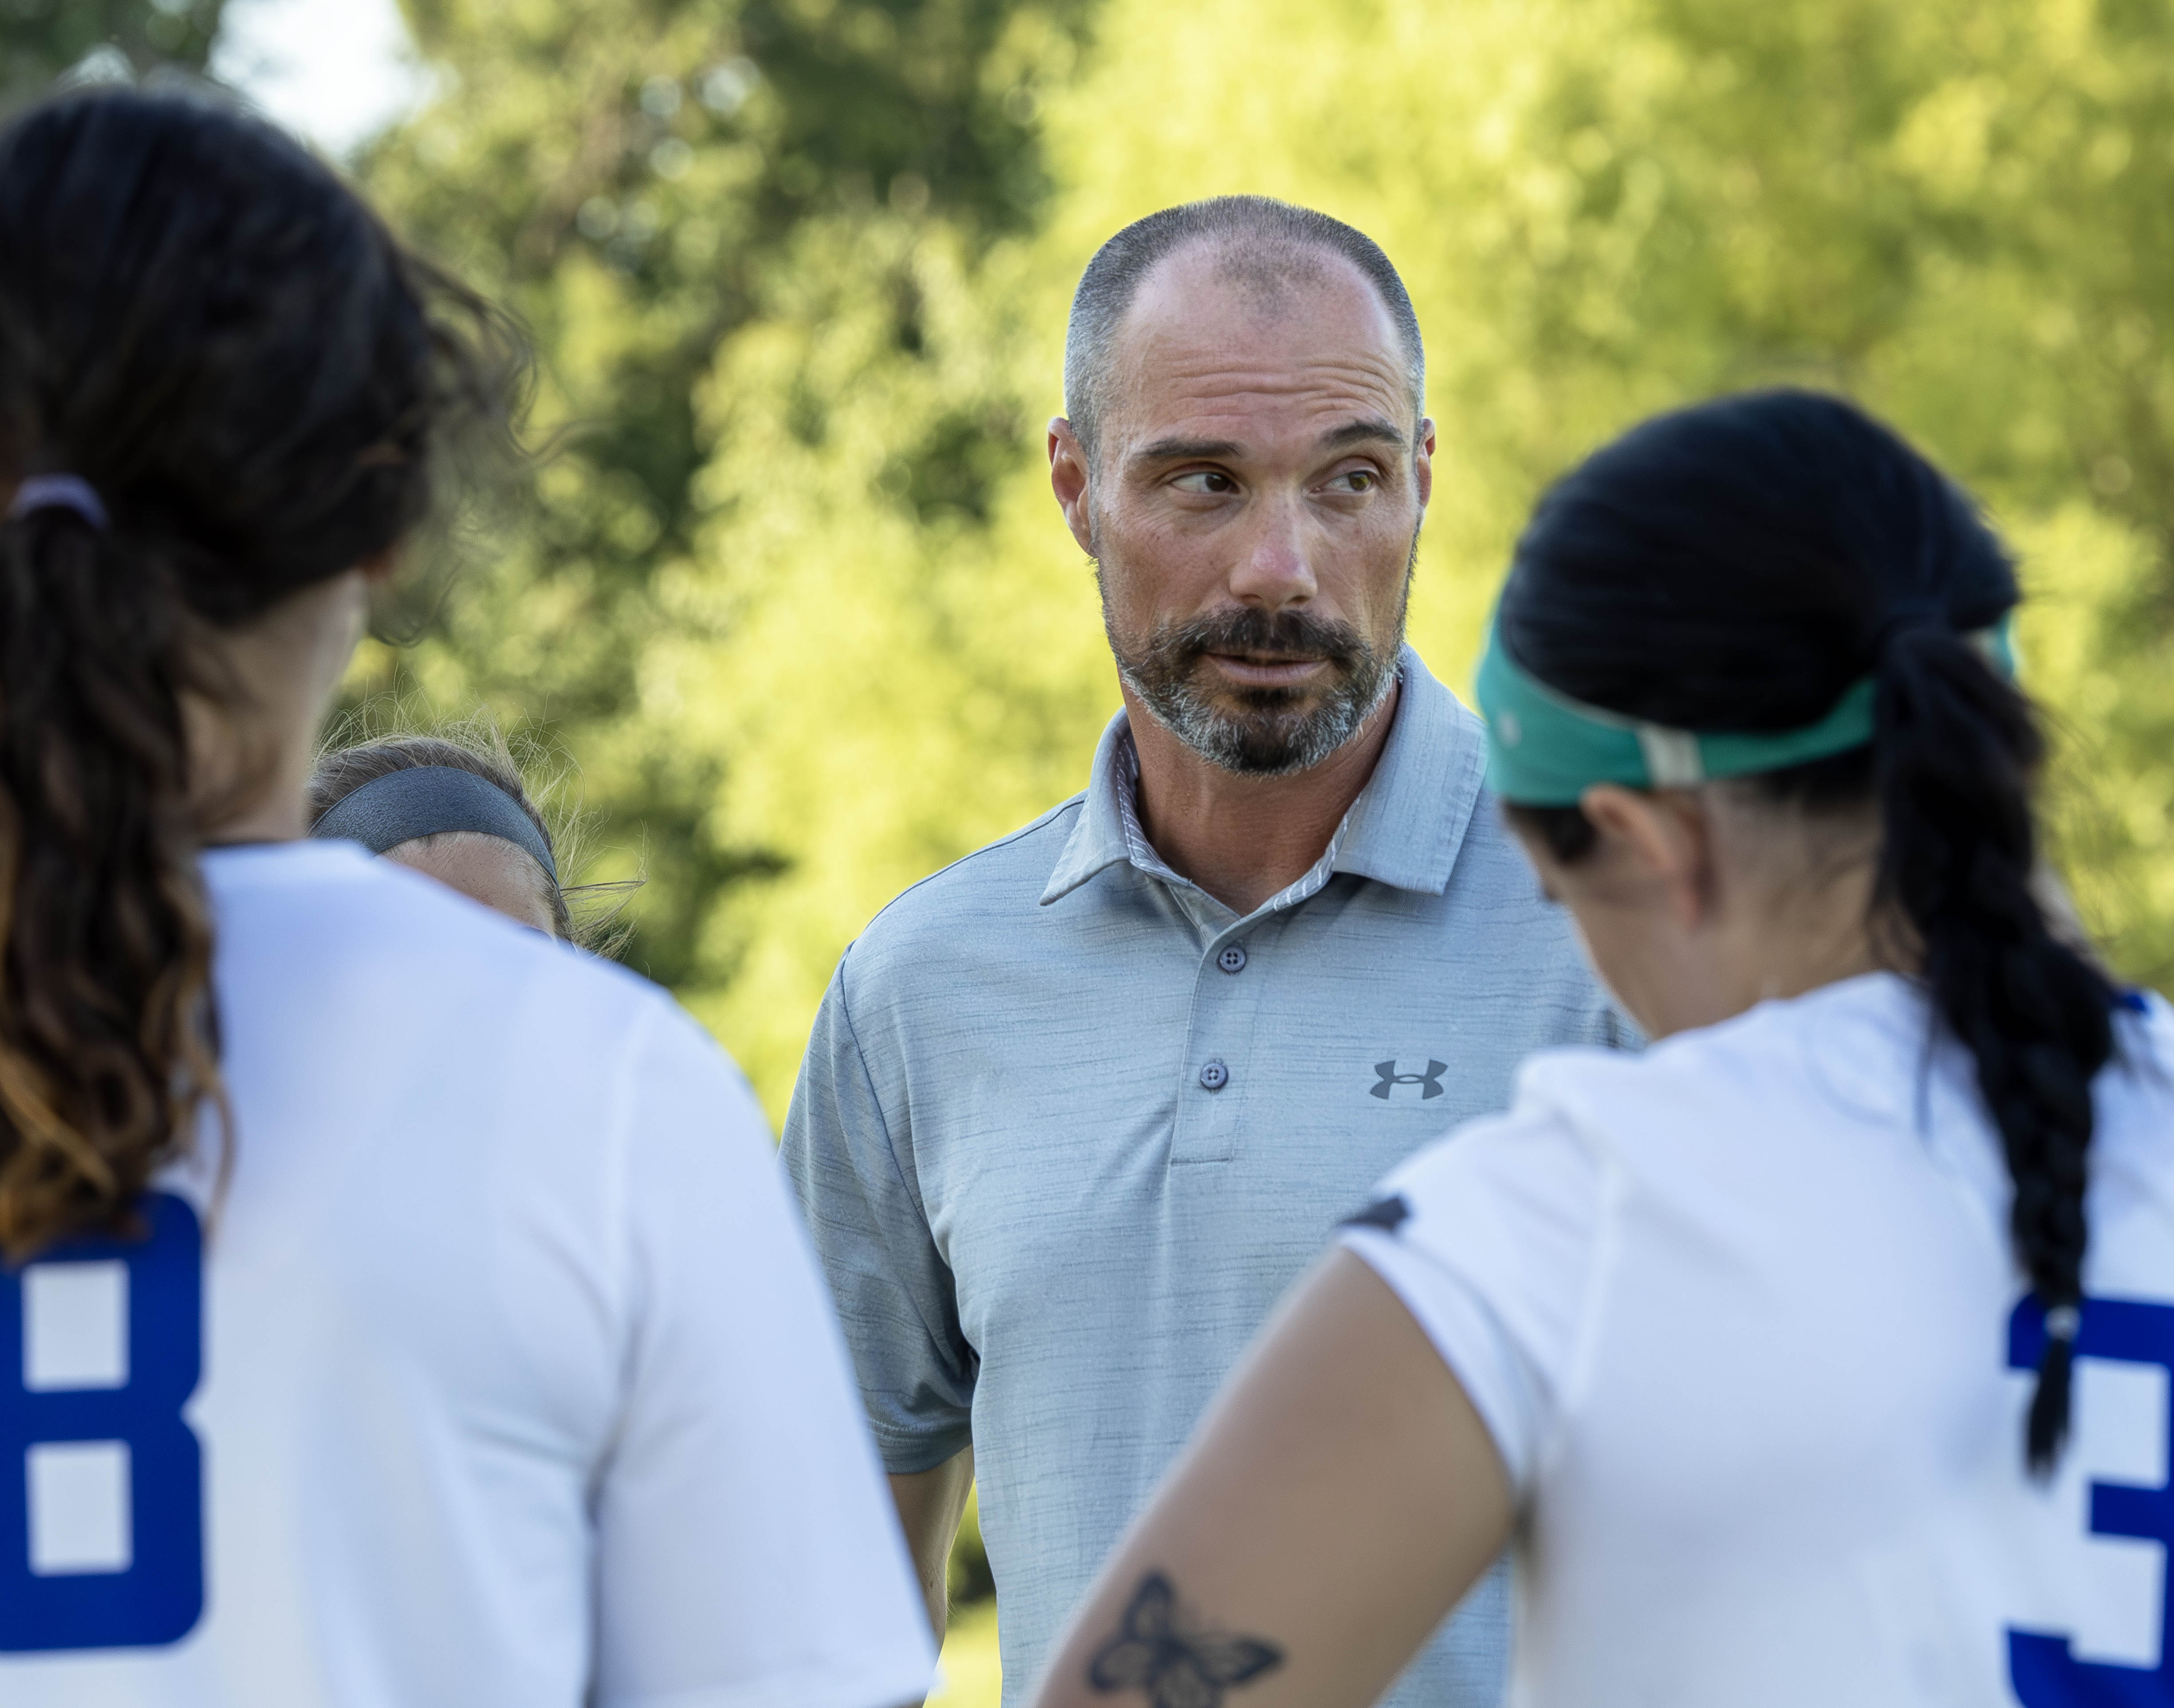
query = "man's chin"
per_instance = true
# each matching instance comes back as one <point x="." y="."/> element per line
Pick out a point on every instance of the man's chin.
<point x="1254" y="731"/>
<point x="1262" y="747"/>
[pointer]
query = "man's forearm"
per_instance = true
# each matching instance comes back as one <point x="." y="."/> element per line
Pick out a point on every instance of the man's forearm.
<point x="930" y="1504"/>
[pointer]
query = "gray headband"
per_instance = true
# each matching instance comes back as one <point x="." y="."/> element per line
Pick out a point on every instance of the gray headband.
<point x="428" y="801"/>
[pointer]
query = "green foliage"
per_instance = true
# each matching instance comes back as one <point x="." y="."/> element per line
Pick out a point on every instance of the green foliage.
<point x="41" y="39"/>
<point x="973" y="1669"/>
<point x="648" y="185"/>
<point x="801" y="586"/>
<point x="968" y="1578"/>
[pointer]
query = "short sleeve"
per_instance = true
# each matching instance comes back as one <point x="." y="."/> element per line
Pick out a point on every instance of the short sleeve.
<point x="1491" y="1238"/>
<point x="894" y="1293"/>
<point x="748" y="1553"/>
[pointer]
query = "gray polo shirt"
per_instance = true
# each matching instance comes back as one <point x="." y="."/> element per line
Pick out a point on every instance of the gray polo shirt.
<point x="1068" y="1126"/>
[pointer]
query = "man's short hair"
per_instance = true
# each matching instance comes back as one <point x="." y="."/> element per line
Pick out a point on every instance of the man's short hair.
<point x="1267" y="244"/>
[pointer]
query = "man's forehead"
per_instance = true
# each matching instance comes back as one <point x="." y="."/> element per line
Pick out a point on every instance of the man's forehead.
<point x="1282" y="343"/>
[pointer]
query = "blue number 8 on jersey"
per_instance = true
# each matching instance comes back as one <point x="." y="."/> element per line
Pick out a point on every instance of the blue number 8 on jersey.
<point x="101" y="1481"/>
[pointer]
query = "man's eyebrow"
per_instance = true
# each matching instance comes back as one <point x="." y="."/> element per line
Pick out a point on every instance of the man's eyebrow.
<point x="1371" y="431"/>
<point x="1184" y="449"/>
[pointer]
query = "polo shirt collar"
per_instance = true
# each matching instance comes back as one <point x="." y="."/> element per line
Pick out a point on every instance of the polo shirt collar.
<point x="1403" y="831"/>
<point x="1097" y="841"/>
<point x="1408" y="822"/>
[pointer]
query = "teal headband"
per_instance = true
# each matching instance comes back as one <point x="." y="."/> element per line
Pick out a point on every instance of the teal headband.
<point x="1546" y="749"/>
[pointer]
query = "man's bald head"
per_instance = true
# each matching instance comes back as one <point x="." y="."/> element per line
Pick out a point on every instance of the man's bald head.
<point x="1268" y="249"/>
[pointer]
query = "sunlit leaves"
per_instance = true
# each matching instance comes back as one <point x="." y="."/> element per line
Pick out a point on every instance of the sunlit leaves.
<point x="800" y="272"/>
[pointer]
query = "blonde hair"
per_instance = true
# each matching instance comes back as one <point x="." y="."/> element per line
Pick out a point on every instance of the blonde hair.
<point x="590" y="916"/>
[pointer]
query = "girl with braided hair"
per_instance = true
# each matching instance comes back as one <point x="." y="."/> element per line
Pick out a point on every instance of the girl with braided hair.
<point x="1820" y="1355"/>
<point x="394" y="1309"/>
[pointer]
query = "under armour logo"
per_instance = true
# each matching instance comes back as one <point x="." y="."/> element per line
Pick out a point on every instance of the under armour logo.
<point x="1430" y="1083"/>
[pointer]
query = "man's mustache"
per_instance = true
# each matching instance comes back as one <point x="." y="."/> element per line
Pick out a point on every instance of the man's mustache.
<point x="1257" y="634"/>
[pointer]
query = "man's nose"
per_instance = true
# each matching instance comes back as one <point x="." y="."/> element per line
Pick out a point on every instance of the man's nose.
<point x="1275" y="563"/>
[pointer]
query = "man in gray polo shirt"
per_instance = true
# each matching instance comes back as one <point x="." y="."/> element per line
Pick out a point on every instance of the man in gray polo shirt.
<point x="1080" y="1108"/>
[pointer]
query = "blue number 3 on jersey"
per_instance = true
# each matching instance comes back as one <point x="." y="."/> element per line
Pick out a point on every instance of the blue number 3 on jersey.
<point x="2043" y="1671"/>
<point x="101" y="1481"/>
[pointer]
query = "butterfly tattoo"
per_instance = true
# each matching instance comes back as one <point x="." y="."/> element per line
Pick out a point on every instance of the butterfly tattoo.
<point x="1172" y="1665"/>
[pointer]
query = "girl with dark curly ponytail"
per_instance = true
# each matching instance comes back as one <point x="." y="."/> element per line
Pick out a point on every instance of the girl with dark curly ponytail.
<point x="1762" y="1346"/>
<point x="222" y="387"/>
<point x="393" y="1307"/>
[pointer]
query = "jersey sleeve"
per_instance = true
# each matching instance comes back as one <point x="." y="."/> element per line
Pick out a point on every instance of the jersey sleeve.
<point x="1491" y="1238"/>
<point x="748" y="1553"/>
<point x="894" y="1293"/>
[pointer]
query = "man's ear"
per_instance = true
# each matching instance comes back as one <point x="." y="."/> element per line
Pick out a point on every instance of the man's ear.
<point x="1069" y="479"/>
<point x="1661" y="837"/>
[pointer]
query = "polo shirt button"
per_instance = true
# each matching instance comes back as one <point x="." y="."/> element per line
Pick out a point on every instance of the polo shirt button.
<point x="1233" y="958"/>
<point x="1214" y="1076"/>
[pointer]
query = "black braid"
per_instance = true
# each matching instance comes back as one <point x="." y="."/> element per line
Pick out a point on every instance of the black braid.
<point x="1955" y="756"/>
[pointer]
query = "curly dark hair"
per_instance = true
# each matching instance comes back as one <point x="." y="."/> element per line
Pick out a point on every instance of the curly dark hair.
<point x="201" y="320"/>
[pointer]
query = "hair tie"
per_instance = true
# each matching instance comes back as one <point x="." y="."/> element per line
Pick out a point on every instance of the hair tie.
<point x="1906" y="620"/>
<point x="1995" y="644"/>
<point x="69" y="492"/>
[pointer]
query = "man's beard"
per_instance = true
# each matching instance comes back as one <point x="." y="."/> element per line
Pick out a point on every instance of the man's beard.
<point x="1274" y="732"/>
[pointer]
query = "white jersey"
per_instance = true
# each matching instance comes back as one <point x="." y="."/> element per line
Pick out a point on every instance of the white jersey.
<point x="1742" y="1318"/>
<point x="498" y="1376"/>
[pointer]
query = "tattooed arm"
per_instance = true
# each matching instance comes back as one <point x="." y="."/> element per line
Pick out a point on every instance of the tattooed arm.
<point x="1336" y="1501"/>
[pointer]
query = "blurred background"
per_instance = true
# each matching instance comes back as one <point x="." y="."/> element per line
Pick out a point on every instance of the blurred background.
<point x="790" y="593"/>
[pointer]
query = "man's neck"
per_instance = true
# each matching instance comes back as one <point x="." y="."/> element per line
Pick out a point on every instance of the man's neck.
<point x="1244" y="838"/>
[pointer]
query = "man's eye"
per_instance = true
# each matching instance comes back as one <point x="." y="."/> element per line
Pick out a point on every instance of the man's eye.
<point x="1357" y="480"/>
<point x="1205" y="481"/>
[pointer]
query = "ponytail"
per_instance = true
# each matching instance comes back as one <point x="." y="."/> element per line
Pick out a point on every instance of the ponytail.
<point x="222" y="382"/>
<point x="106" y="1053"/>
<point x="1955" y="756"/>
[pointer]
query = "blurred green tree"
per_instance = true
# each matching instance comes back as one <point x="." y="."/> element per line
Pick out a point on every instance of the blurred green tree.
<point x="644" y="182"/>
<point x="41" y="39"/>
<point x="798" y="271"/>
<point x="1952" y="210"/>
